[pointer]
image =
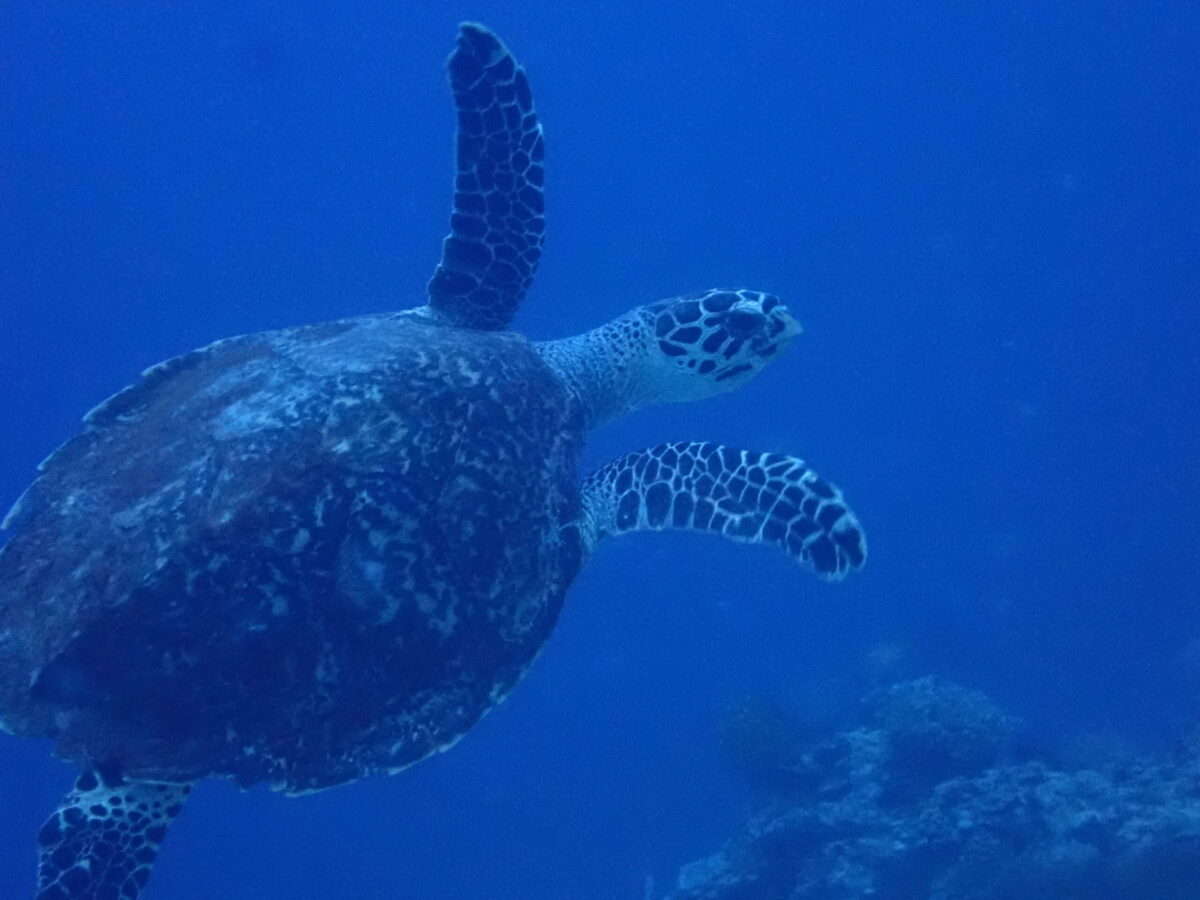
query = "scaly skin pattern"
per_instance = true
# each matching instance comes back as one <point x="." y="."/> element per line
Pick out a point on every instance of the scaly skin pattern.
<point x="102" y="840"/>
<point x="496" y="227"/>
<point x="294" y="557"/>
<point x="743" y="495"/>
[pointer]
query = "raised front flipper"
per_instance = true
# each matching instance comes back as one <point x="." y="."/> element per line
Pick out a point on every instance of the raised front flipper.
<point x="746" y="496"/>
<point x="496" y="228"/>
<point x="101" y="842"/>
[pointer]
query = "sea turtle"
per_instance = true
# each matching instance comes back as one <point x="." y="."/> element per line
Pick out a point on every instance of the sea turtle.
<point x="307" y="555"/>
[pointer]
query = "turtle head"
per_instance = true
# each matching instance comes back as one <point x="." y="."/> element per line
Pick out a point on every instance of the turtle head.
<point x="716" y="341"/>
<point x="685" y="348"/>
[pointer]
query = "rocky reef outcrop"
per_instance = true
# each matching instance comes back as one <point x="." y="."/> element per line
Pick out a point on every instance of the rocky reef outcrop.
<point x="934" y="795"/>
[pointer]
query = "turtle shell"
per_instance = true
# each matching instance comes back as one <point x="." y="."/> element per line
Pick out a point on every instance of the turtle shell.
<point x="294" y="557"/>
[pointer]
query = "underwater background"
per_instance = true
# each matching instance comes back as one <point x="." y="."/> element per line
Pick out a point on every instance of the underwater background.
<point x="985" y="215"/>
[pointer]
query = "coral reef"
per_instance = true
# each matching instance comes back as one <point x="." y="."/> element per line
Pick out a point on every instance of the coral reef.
<point x="762" y="741"/>
<point x="931" y="798"/>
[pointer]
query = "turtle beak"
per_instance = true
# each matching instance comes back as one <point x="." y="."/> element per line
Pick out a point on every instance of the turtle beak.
<point x="783" y="328"/>
<point x="778" y="331"/>
<point x="791" y="328"/>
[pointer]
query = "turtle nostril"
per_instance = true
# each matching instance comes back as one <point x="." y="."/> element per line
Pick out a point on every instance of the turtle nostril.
<point x="744" y="323"/>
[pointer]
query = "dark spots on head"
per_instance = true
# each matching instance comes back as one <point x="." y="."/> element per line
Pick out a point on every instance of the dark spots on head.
<point x="706" y="366"/>
<point x="713" y="342"/>
<point x="663" y="325"/>
<point x="687" y="312"/>
<point x="671" y="349"/>
<point x="731" y="349"/>
<point x="687" y="335"/>
<point x="745" y="322"/>
<point x="720" y="301"/>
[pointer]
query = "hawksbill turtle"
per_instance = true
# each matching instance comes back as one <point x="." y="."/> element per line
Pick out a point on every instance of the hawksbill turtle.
<point x="306" y="555"/>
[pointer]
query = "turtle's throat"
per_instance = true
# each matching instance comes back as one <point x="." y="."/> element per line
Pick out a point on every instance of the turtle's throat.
<point x="607" y="368"/>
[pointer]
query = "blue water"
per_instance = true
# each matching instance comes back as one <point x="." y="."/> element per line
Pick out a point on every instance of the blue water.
<point x="985" y="215"/>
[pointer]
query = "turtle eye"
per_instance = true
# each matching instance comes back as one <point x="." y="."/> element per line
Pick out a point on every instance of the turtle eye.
<point x="744" y="323"/>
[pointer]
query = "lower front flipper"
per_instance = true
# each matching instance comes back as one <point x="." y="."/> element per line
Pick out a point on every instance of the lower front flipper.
<point x="746" y="496"/>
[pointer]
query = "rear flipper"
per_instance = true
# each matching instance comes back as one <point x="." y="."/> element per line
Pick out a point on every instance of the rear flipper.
<point x="101" y="842"/>
<point x="748" y="497"/>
